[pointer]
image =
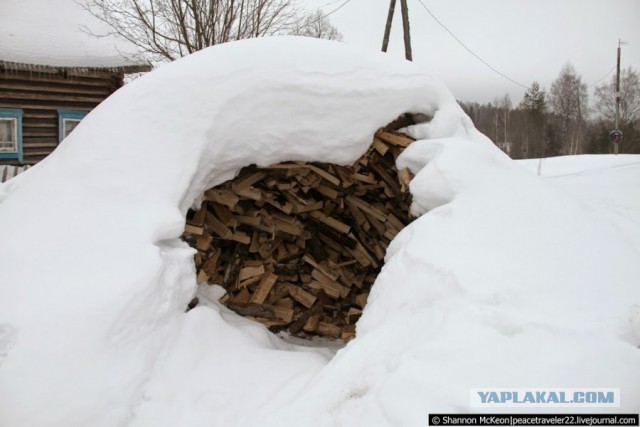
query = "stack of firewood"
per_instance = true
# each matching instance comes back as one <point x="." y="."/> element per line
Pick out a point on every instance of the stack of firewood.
<point x="298" y="245"/>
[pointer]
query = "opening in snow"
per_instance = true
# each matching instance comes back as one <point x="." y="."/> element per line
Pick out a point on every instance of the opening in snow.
<point x="297" y="246"/>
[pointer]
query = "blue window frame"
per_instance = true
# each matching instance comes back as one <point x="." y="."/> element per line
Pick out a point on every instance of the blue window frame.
<point x="11" y="134"/>
<point x="67" y="121"/>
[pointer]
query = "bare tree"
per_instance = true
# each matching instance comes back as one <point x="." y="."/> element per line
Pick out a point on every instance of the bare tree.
<point x="169" y="29"/>
<point x="605" y="101"/>
<point x="569" y="100"/>
<point x="317" y="25"/>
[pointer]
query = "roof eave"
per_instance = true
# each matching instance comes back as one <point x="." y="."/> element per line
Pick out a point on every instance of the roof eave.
<point x="125" y="69"/>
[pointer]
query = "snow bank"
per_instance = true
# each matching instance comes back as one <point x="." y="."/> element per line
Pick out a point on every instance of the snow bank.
<point x="54" y="33"/>
<point x="503" y="281"/>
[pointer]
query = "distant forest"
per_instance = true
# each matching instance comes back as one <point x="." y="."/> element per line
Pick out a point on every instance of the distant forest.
<point x="564" y="120"/>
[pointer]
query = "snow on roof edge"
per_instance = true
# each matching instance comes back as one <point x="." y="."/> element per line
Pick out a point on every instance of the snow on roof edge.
<point x="21" y="66"/>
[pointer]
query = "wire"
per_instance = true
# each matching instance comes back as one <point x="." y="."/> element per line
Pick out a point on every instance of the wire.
<point x="469" y="50"/>
<point x="603" y="77"/>
<point x="328" y="4"/>
<point x="336" y="9"/>
<point x="320" y="18"/>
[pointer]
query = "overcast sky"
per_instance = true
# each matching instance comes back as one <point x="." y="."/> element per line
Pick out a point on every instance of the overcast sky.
<point x="525" y="39"/>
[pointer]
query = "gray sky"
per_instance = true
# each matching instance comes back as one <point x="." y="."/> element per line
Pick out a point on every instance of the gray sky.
<point x="525" y="39"/>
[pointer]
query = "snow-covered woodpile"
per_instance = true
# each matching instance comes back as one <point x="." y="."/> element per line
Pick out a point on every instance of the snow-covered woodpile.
<point x="298" y="245"/>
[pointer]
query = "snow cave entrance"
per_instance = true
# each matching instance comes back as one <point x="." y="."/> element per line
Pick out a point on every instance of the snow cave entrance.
<point x="297" y="246"/>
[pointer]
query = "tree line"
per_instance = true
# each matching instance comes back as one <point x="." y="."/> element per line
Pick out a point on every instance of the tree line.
<point x="564" y="120"/>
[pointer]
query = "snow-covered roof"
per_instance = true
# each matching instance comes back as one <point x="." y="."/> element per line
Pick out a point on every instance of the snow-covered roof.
<point x="53" y="34"/>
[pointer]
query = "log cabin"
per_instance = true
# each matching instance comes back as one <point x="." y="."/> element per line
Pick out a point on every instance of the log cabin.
<point x="53" y="71"/>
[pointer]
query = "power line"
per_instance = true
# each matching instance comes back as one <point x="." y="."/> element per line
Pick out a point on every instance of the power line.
<point x="469" y="50"/>
<point x="603" y="77"/>
<point x="328" y="4"/>
<point x="336" y="9"/>
<point x="320" y="18"/>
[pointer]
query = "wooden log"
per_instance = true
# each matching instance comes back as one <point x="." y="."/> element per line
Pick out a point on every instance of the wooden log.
<point x="324" y="174"/>
<point x="380" y="146"/>
<point x="348" y="332"/>
<point x="331" y="222"/>
<point x="218" y="227"/>
<point x="361" y="299"/>
<point x="224" y="197"/>
<point x="249" y="272"/>
<point x="353" y="315"/>
<point x="394" y="139"/>
<point x="210" y="267"/>
<point x="312" y="323"/>
<point x="264" y="288"/>
<point x="328" y="329"/>
<point x="192" y="229"/>
<point x="301" y="296"/>
<point x="247" y="181"/>
<point x="199" y="216"/>
<point x="252" y="309"/>
<point x="323" y="269"/>
<point x="203" y="242"/>
<point x="301" y="321"/>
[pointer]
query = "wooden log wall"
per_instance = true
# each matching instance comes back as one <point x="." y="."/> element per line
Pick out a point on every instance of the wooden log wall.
<point x="40" y="94"/>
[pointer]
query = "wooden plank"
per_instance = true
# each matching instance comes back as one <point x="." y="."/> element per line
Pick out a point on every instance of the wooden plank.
<point x="353" y="315"/>
<point x="380" y="146"/>
<point x="252" y="309"/>
<point x="249" y="282"/>
<point x="361" y="299"/>
<point x="218" y="227"/>
<point x="328" y="330"/>
<point x="224" y="215"/>
<point x="348" y="332"/>
<point x="199" y="216"/>
<point x="192" y="229"/>
<point x="394" y="139"/>
<point x="284" y="313"/>
<point x="312" y="323"/>
<point x="242" y="297"/>
<point x="250" y="193"/>
<point x="321" y="268"/>
<point x="211" y="265"/>
<point x="264" y="288"/>
<point x="331" y="222"/>
<point x="26" y="77"/>
<point x="241" y="237"/>
<point x="368" y="178"/>
<point x="327" y="191"/>
<point x="300" y="295"/>
<point x="324" y="174"/>
<point x="38" y="96"/>
<point x="366" y="207"/>
<point x="247" y="181"/>
<point x="101" y="90"/>
<point x="293" y="228"/>
<point x="301" y="321"/>
<point x="249" y="272"/>
<point x="224" y="197"/>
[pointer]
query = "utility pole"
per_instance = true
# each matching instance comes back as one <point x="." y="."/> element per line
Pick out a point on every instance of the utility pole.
<point x="618" y="95"/>
<point x="616" y="134"/>
<point x="405" y="26"/>
<point x="387" y="28"/>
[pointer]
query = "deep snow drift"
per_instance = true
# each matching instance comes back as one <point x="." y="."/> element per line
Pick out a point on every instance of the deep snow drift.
<point x="503" y="280"/>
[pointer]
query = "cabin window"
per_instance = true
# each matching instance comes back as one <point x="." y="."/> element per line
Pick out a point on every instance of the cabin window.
<point x="67" y="121"/>
<point x="11" y="134"/>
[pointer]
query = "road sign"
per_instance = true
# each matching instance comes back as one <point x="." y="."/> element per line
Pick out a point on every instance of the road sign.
<point x="615" y="136"/>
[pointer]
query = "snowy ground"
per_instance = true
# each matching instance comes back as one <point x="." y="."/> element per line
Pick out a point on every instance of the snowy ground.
<point x="506" y="279"/>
